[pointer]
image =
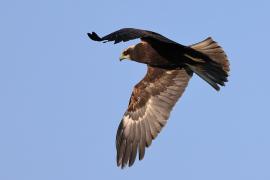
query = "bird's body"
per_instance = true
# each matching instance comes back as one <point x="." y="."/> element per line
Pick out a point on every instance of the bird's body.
<point x="145" y="53"/>
<point x="170" y="66"/>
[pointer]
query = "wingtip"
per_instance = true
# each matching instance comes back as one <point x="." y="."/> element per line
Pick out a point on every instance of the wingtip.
<point x="94" y="36"/>
<point x="121" y="165"/>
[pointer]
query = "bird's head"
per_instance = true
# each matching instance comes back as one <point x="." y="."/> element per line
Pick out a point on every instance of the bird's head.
<point x="127" y="53"/>
<point x="141" y="52"/>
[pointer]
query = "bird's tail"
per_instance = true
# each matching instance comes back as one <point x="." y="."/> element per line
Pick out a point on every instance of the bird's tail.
<point x="210" y="62"/>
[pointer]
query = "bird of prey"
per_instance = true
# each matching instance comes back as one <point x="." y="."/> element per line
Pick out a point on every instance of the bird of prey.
<point x="170" y="66"/>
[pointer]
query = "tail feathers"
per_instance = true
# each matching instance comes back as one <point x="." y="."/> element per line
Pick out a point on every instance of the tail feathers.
<point x="211" y="48"/>
<point x="213" y="71"/>
<point x="210" y="77"/>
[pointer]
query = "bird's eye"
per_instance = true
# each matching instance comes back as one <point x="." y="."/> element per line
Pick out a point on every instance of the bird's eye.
<point x="125" y="53"/>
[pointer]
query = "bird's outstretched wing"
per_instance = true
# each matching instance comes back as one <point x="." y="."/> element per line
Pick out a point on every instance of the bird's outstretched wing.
<point x="127" y="34"/>
<point x="149" y="108"/>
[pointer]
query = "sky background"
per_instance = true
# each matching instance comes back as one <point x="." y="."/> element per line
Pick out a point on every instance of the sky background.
<point x="62" y="96"/>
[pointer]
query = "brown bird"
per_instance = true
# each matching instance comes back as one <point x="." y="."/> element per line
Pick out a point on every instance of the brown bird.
<point x="170" y="66"/>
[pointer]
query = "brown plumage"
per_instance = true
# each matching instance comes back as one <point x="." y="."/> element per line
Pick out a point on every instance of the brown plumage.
<point x="170" y="66"/>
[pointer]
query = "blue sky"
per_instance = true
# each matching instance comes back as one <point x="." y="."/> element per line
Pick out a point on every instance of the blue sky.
<point x="62" y="96"/>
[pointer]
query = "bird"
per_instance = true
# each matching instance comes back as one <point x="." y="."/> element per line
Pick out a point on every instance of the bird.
<point x="170" y="66"/>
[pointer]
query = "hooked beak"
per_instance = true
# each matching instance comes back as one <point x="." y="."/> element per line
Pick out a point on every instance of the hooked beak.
<point x="122" y="57"/>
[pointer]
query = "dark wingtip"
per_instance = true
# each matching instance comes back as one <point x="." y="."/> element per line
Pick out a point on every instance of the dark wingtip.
<point x="94" y="36"/>
<point x="121" y="165"/>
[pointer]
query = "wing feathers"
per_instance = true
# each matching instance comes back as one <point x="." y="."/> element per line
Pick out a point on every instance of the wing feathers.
<point x="94" y="36"/>
<point x="147" y="133"/>
<point x="133" y="154"/>
<point x="127" y="34"/>
<point x="142" y="141"/>
<point x="147" y="115"/>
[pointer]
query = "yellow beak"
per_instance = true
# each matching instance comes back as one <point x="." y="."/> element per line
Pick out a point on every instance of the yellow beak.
<point x="122" y="57"/>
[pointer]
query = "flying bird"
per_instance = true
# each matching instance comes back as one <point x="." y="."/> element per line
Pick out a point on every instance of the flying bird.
<point x="170" y="66"/>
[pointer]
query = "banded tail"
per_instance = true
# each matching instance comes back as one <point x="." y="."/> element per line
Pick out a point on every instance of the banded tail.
<point x="211" y="63"/>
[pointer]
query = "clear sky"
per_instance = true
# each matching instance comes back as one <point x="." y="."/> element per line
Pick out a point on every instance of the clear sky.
<point x="62" y="96"/>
